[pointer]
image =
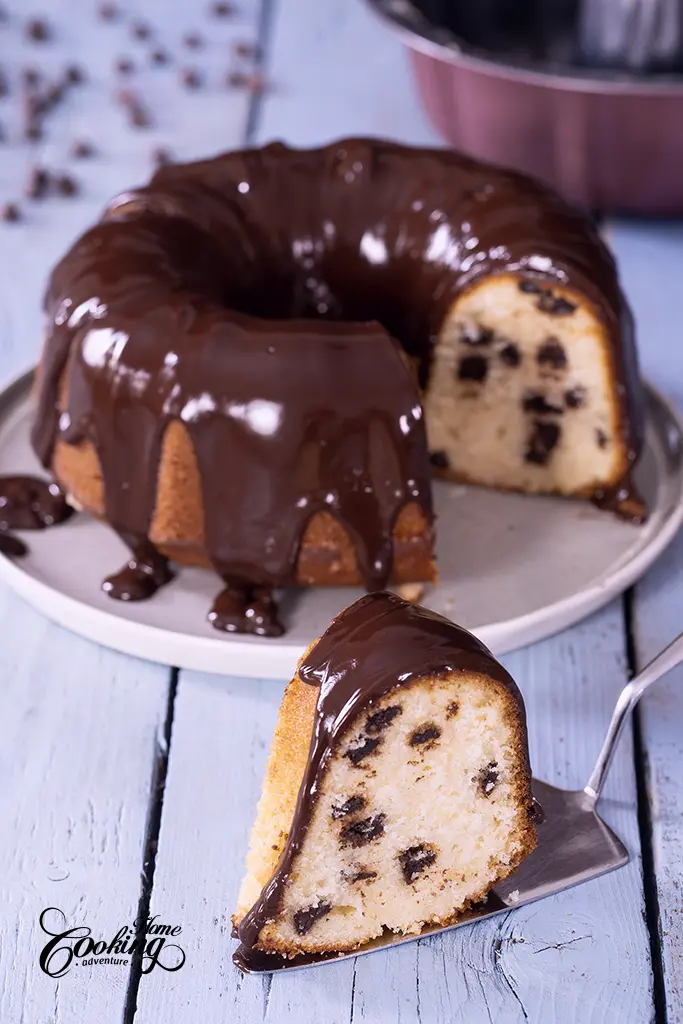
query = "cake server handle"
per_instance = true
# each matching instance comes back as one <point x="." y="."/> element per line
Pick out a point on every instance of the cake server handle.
<point x="628" y="698"/>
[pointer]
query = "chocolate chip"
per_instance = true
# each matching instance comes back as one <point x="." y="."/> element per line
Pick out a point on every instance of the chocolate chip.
<point x="81" y="149"/>
<point x="190" y="78"/>
<point x="52" y="96"/>
<point x="221" y="10"/>
<point x="439" y="460"/>
<point x="356" y="754"/>
<point x="161" y="157"/>
<point x="305" y="919"/>
<point x="452" y="709"/>
<point x="158" y="57"/>
<point x="555" y="307"/>
<point x="424" y="733"/>
<point x="362" y="876"/>
<point x="360" y="833"/>
<point x="415" y="860"/>
<point x="475" y="334"/>
<point x="247" y="51"/>
<point x="33" y="130"/>
<point x="38" y="30"/>
<point x="38" y="183"/>
<point x="602" y="438"/>
<point x="193" y="41"/>
<point x="381" y="720"/>
<point x="544" y="438"/>
<point x="535" y="401"/>
<point x="574" y="399"/>
<point x="237" y="80"/>
<point x="30" y="77"/>
<point x="74" y="74"/>
<point x="66" y="185"/>
<point x="124" y="66"/>
<point x="488" y="777"/>
<point x="551" y="353"/>
<point x="140" y="30"/>
<point x="108" y="12"/>
<point x="473" y="368"/>
<point x="529" y="287"/>
<point x="350" y="806"/>
<point x="510" y="355"/>
<point x="10" y="212"/>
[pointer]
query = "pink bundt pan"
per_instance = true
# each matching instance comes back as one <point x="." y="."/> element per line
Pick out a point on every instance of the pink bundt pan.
<point x="612" y="143"/>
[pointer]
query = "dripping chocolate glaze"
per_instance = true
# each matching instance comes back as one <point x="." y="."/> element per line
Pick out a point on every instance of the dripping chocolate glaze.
<point x="379" y="643"/>
<point x="254" y="297"/>
<point x="28" y="503"/>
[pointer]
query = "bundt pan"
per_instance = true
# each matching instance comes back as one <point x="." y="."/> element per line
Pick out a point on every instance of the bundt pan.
<point x="586" y="95"/>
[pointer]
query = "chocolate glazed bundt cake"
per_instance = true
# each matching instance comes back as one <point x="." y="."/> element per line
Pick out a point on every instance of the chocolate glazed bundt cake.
<point x="397" y="792"/>
<point x="242" y="358"/>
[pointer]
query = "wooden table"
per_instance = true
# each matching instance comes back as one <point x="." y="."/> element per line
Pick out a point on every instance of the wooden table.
<point x="130" y="787"/>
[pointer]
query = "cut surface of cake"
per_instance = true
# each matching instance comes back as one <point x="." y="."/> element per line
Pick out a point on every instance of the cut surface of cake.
<point x="218" y="380"/>
<point x="397" y="792"/>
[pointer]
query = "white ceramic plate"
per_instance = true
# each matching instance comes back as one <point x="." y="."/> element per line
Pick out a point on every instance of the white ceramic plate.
<point x="513" y="569"/>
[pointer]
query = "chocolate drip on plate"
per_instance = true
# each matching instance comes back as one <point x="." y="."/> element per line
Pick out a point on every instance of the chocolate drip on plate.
<point x="28" y="503"/>
<point x="378" y="644"/>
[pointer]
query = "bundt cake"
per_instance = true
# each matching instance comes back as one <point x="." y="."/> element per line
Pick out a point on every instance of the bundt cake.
<point x="397" y="792"/>
<point x="242" y="359"/>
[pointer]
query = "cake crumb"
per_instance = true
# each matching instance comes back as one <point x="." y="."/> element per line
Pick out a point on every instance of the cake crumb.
<point x="412" y="592"/>
<point x="514" y="896"/>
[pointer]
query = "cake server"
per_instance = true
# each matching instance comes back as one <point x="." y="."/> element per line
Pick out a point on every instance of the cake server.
<point x="574" y="843"/>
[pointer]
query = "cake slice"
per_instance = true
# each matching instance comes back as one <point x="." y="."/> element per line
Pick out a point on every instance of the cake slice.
<point x="397" y="792"/>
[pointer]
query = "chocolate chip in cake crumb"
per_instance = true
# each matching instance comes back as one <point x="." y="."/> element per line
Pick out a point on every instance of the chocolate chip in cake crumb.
<point x="305" y="919"/>
<point x="382" y="719"/>
<point x="424" y="734"/>
<point x="360" y="833"/>
<point x="190" y="78"/>
<point x="221" y="10"/>
<point x="529" y="287"/>
<point x="362" y="876"/>
<point x="247" y="51"/>
<point x="81" y="149"/>
<point x="366" y="746"/>
<point x="473" y="368"/>
<point x="37" y="184"/>
<point x="74" y="74"/>
<point x="601" y="437"/>
<point x="439" y="460"/>
<point x="66" y="185"/>
<point x="551" y="353"/>
<point x="30" y="77"/>
<point x="193" y="41"/>
<point x="108" y="12"/>
<point x="124" y="66"/>
<point x="488" y="778"/>
<point x="415" y="860"/>
<point x="452" y="709"/>
<point x="543" y="440"/>
<point x="548" y="303"/>
<point x="350" y="806"/>
<point x="140" y="30"/>
<point x="536" y="401"/>
<point x="38" y="30"/>
<point x="510" y="354"/>
<point x="159" y="57"/>
<point x="161" y="157"/>
<point x="10" y="212"/>
<point x="574" y="398"/>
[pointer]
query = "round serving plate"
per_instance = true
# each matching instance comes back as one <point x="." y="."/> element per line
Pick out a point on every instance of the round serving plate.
<point x="514" y="569"/>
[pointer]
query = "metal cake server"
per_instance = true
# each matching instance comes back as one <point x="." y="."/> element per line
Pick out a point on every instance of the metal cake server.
<point x="574" y="843"/>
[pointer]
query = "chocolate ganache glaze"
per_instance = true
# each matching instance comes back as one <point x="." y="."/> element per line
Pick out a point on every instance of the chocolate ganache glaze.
<point x="27" y="503"/>
<point x="255" y="297"/>
<point x="376" y="645"/>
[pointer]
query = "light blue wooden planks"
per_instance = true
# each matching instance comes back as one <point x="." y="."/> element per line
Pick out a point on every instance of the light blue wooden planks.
<point x="651" y="262"/>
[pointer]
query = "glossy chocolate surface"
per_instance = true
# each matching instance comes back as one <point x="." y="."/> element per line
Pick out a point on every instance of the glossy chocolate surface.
<point x="28" y="503"/>
<point x="378" y="644"/>
<point x="255" y="297"/>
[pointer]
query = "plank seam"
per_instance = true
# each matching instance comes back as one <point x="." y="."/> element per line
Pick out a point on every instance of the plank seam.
<point x="265" y="24"/>
<point x="653" y="918"/>
<point x="157" y="789"/>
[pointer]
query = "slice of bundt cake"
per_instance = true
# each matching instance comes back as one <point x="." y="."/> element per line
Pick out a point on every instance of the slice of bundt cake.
<point x="406" y="743"/>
